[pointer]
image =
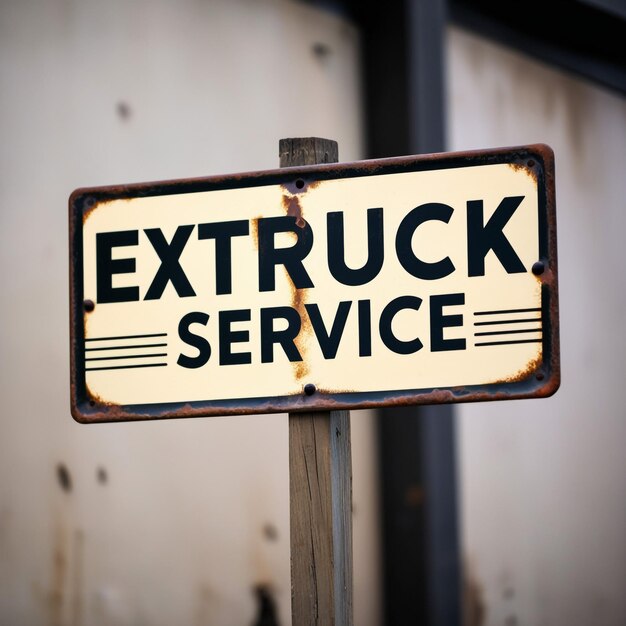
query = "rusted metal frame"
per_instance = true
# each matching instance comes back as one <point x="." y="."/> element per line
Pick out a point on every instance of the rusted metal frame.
<point x="516" y="155"/>
<point x="536" y="384"/>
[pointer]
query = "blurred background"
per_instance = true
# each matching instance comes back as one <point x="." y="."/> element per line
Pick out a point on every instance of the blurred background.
<point x="508" y="514"/>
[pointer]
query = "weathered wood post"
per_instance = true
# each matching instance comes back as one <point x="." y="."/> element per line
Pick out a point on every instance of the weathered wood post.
<point x="320" y="480"/>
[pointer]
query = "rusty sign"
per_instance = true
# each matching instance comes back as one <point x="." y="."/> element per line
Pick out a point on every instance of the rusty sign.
<point x="410" y="280"/>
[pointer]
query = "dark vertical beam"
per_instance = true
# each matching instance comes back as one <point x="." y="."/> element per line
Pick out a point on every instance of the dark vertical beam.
<point x="403" y="75"/>
<point x="441" y="512"/>
<point x="403" y="72"/>
<point x="403" y="516"/>
<point x="420" y="516"/>
<point x="426" y="21"/>
<point x="385" y="67"/>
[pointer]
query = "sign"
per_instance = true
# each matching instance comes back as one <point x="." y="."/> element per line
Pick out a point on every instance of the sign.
<point x="401" y="281"/>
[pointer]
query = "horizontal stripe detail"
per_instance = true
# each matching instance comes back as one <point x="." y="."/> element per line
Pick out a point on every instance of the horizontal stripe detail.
<point x="130" y="356"/>
<point x="532" y="319"/>
<point x="127" y="337"/>
<point x="508" y="332"/>
<point x="507" y="343"/>
<point x="507" y="311"/>
<point x="147" y="345"/>
<point x="125" y="367"/>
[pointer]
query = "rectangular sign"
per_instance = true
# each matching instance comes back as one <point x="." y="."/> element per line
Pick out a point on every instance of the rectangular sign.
<point x="411" y="280"/>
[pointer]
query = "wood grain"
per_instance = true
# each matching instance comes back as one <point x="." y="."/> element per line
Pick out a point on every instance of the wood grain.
<point x="320" y="484"/>
<point x="307" y="151"/>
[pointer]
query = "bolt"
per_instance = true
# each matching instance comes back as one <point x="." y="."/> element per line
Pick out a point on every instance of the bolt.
<point x="538" y="268"/>
<point x="309" y="389"/>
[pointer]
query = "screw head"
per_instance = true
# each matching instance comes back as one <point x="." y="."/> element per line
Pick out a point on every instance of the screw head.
<point x="89" y="305"/>
<point x="538" y="268"/>
<point x="309" y="389"/>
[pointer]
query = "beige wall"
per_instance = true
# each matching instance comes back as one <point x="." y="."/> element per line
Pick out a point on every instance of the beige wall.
<point x="193" y="513"/>
<point x="544" y="481"/>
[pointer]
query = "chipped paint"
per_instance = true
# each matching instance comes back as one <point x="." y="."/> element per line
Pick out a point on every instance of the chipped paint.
<point x="292" y="206"/>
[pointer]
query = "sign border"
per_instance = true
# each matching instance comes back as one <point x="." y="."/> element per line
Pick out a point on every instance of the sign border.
<point x="538" y="383"/>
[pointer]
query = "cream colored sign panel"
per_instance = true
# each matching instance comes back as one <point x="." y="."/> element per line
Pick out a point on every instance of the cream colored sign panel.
<point x="322" y="285"/>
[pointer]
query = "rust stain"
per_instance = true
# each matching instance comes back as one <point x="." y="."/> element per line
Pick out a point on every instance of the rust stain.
<point x="547" y="277"/>
<point x="254" y="224"/>
<point x="323" y="400"/>
<point x="293" y="208"/>
<point x="291" y="204"/>
<point x="86" y="315"/>
<point x="89" y="206"/>
<point x="95" y="398"/>
<point x="56" y="595"/>
<point x="324" y="390"/>
<point x="474" y="607"/>
<point x="525" y="372"/>
<point x="77" y="592"/>
<point x="111" y="410"/>
<point x="530" y="168"/>
<point x="298" y="300"/>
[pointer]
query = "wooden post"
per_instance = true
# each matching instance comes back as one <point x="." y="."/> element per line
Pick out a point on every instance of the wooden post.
<point x="320" y="480"/>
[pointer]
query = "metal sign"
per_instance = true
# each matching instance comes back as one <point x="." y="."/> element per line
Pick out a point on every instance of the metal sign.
<point x="400" y="281"/>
